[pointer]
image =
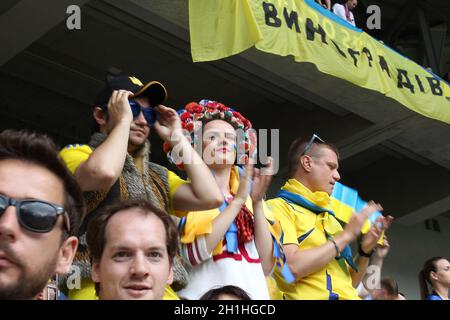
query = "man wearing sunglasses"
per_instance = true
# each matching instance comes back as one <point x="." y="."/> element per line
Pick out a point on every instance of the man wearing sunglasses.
<point x="115" y="165"/>
<point x="315" y="243"/>
<point x="40" y="210"/>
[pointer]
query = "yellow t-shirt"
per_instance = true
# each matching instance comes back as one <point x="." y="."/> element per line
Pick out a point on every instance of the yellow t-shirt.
<point x="274" y="291"/>
<point x="306" y="229"/>
<point x="75" y="154"/>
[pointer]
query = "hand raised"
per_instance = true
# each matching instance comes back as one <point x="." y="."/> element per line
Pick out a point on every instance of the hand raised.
<point x="382" y="250"/>
<point x="119" y="107"/>
<point x="370" y="239"/>
<point x="261" y="181"/>
<point x="244" y="183"/>
<point x="168" y="124"/>
<point x="353" y="227"/>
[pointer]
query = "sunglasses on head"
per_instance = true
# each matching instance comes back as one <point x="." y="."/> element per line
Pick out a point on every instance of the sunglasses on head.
<point x="34" y="215"/>
<point x="314" y="137"/>
<point x="149" y="113"/>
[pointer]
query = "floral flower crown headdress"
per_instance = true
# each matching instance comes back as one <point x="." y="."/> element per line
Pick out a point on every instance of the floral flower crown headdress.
<point x="195" y="115"/>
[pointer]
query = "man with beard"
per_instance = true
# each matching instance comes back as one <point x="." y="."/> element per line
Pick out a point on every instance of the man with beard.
<point x="115" y="165"/>
<point x="40" y="209"/>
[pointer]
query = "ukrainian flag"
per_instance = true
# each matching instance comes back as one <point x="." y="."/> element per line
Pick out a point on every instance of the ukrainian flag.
<point x="346" y="201"/>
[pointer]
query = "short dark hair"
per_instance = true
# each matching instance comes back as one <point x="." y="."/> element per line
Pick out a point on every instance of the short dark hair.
<point x="297" y="148"/>
<point x="96" y="233"/>
<point x="40" y="149"/>
<point x="390" y="285"/>
<point x="215" y="293"/>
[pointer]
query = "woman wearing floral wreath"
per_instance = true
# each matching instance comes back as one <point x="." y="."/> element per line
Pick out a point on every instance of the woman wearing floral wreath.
<point x="236" y="244"/>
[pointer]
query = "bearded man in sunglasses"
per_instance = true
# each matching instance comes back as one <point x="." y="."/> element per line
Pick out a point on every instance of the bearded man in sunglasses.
<point x="40" y="210"/>
<point x="115" y="165"/>
<point x="316" y="245"/>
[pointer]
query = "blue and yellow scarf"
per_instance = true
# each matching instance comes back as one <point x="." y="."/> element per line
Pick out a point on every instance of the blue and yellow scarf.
<point x="293" y="192"/>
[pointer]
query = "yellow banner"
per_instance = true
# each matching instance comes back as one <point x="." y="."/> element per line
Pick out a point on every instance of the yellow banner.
<point x="301" y="28"/>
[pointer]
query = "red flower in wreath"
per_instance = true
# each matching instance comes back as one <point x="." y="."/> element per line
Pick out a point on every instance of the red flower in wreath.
<point x="194" y="107"/>
<point x="237" y="115"/>
<point x="189" y="126"/>
<point x="185" y="115"/>
<point x="222" y="107"/>
<point x="211" y="107"/>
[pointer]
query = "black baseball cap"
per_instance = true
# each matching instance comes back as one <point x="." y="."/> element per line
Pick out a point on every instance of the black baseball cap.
<point x="153" y="90"/>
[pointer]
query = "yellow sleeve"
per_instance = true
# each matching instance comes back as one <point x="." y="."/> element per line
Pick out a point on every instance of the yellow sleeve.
<point x="286" y="219"/>
<point x="197" y="223"/>
<point x="75" y="154"/>
<point x="174" y="182"/>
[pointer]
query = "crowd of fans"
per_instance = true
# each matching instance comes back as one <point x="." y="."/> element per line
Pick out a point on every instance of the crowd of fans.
<point x="132" y="229"/>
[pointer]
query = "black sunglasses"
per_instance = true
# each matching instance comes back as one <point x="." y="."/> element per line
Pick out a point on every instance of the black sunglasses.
<point x="34" y="215"/>
<point x="314" y="137"/>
